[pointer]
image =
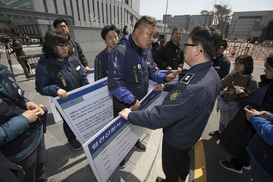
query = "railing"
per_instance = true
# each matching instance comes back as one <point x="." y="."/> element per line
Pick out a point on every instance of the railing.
<point x="256" y="51"/>
<point x="32" y="61"/>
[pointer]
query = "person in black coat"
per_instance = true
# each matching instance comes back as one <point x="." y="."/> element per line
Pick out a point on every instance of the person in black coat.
<point x="171" y="56"/>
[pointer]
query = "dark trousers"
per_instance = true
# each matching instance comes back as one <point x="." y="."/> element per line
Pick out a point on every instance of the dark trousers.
<point x="34" y="164"/>
<point x="68" y="132"/>
<point x="175" y="162"/>
<point x="241" y="159"/>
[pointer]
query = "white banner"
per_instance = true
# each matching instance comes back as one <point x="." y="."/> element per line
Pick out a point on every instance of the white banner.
<point x="110" y="145"/>
<point x="87" y="110"/>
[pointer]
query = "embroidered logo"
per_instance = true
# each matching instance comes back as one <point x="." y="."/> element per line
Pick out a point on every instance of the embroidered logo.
<point x="187" y="78"/>
<point x="175" y="95"/>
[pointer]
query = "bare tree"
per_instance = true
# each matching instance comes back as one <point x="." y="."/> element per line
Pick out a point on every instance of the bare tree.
<point x="221" y="15"/>
<point x="208" y="15"/>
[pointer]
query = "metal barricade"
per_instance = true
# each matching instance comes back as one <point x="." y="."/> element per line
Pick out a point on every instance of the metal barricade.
<point x="256" y="51"/>
<point x="29" y="63"/>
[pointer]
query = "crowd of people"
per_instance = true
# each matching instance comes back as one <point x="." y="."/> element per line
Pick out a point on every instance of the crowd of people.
<point x="245" y="105"/>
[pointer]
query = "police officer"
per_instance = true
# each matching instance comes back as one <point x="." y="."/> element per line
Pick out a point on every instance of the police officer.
<point x="220" y="62"/>
<point x="185" y="111"/>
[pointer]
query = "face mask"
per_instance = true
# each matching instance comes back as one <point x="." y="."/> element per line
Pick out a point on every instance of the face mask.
<point x="155" y="40"/>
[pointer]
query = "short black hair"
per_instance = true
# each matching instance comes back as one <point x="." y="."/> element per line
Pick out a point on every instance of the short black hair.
<point x="247" y="60"/>
<point x="145" y="20"/>
<point x="269" y="60"/>
<point x="51" y="40"/>
<point x="58" y="21"/>
<point x="177" y="28"/>
<point x="208" y="37"/>
<point x="108" y="28"/>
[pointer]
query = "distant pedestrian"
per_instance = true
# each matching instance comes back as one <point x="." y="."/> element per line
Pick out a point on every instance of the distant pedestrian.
<point x="28" y="41"/>
<point x="124" y="31"/>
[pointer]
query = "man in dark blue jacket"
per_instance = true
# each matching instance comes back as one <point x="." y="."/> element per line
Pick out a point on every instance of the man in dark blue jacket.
<point x="109" y="34"/>
<point x="185" y="111"/>
<point x="130" y="66"/>
<point x="220" y="63"/>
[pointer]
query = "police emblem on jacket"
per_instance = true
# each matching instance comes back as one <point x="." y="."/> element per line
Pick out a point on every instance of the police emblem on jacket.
<point x="175" y="95"/>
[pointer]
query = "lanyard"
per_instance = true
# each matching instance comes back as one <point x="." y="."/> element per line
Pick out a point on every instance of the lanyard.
<point x="141" y="59"/>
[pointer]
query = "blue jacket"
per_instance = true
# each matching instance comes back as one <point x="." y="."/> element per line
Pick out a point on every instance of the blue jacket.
<point x="260" y="148"/>
<point x="62" y="75"/>
<point x="185" y="111"/>
<point x="129" y="71"/>
<point x="222" y="65"/>
<point x="18" y="138"/>
<point x="101" y="65"/>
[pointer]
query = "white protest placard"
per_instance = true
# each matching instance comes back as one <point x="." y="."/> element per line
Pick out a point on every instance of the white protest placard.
<point x="107" y="148"/>
<point x="87" y="110"/>
<point x="56" y="115"/>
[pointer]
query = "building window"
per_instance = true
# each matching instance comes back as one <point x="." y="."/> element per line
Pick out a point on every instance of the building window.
<point x="98" y="8"/>
<point x="83" y="10"/>
<point x="71" y="6"/>
<point x="111" y="22"/>
<point x="45" y="6"/>
<point x="106" y="9"/>
<point x="78" y="9"/>
<point x="118" y="15"/>
<point x="102" y="12"/>
<point x="88" y="4"/>
<point x="65" y="10"/>
<point x="121" y="15"/>
<point x="56" y="8"/>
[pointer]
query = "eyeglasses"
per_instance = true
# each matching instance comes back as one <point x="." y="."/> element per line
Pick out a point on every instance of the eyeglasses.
<point x="237" y="64"/>
<point x="63" y="46"/>
<point x="190" y="45"/>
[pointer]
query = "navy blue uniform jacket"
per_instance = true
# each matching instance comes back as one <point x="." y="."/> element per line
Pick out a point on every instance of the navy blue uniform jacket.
<point x="129" y="71"/>
<point x="185" y="111"/>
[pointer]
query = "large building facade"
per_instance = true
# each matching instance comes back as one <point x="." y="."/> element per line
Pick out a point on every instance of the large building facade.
<point x="85" y="18"/>
<point x="251" y="25"/>
<point x="187" y="22"/>
<point x="81" y="13"/>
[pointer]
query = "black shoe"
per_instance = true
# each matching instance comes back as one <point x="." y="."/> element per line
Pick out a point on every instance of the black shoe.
<point x="214" y="133"/>
<point x="76" y="145"/>
<point x="247" y="165"/>
<point x="229" y="166"/>
<point x="140" y="147"/>
<point x="159" y="179"/>
<point x="122" y="164"/>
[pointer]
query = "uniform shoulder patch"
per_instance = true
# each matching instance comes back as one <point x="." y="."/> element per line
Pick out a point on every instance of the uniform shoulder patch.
<point x="187" y="78"/>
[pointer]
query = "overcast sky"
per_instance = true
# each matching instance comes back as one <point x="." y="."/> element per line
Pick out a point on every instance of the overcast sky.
<point x="156" y="8"/>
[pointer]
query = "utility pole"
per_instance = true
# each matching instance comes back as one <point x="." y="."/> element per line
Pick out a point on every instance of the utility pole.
<point x="165" y="20"/>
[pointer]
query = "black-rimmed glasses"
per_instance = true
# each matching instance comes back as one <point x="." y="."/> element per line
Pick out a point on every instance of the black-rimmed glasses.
<point x="190" y="45"/>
